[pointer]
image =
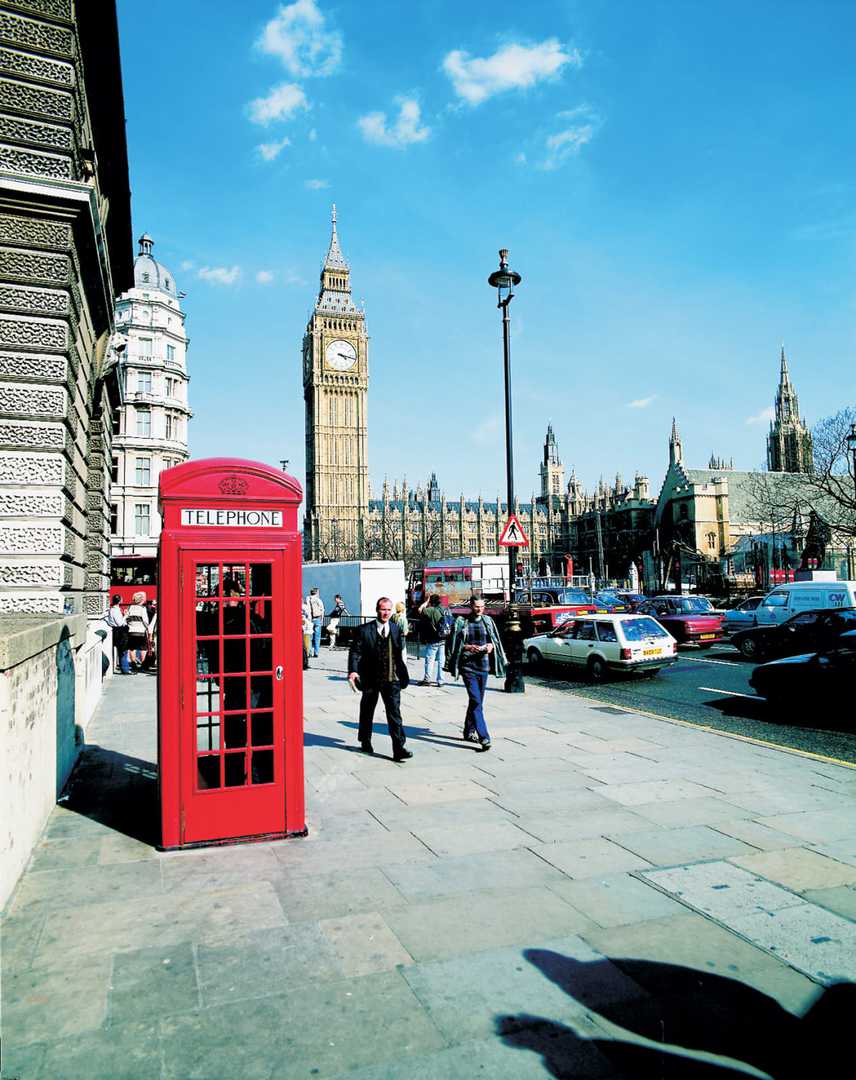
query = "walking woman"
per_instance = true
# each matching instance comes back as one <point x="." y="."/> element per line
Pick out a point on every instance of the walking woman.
<point x="137" y="619"/>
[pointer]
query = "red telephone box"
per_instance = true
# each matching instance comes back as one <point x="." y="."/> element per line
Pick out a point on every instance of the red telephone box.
<point x="230" y="690"/>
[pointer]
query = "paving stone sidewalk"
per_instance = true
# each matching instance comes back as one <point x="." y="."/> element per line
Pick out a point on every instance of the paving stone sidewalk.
<point x="601" y="895"/>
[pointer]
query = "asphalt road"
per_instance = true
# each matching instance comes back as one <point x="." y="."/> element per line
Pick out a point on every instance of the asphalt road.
<point x="712" y="688"/>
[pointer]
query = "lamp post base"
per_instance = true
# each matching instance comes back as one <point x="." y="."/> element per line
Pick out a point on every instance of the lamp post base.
<point x="514" y="681"/>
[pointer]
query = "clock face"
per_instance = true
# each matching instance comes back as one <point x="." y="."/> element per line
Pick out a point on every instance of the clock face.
<point x="340" y="355"/>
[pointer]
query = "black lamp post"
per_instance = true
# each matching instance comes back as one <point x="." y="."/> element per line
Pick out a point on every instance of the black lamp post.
<point x="851" y="443"/>
<point x="504" y="280"/>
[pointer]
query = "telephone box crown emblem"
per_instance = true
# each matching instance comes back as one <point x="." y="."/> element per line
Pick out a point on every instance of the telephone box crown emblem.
<point x="233" y="485"/>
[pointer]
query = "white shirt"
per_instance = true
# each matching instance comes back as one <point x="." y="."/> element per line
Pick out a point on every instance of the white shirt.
<point x="114" y="616"/>
<point x="382" y="628"/>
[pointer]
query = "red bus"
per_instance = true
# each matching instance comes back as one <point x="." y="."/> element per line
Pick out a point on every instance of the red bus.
<point x="133" y="573"/>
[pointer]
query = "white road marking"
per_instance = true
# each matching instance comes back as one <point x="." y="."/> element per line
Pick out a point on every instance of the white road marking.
<point x="704" y="660"/>
<point x="730" y="693"/>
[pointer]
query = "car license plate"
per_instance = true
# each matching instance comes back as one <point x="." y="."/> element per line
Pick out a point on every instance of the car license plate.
<point x="706" y="637"/>
<point x="652" y="652"/>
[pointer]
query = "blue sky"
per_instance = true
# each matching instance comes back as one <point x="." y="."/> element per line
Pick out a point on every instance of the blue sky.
<point x="674" y="180"/>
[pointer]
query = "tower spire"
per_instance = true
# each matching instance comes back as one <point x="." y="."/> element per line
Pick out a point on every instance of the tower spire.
<point x="675" y="449"/>
<point x="335" y="260"/>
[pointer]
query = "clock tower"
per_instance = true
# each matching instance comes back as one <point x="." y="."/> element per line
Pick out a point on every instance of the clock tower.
<point x="335" y="389"/>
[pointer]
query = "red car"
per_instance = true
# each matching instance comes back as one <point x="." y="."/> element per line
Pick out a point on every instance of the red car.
<point x="689" y="619"/>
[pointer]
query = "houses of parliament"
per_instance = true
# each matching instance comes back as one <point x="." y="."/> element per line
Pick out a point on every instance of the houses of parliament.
<point x="343" y="520"/>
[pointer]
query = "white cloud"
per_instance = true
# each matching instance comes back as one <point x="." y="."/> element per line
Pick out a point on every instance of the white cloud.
<point x="187" y="264"/>
<point x="567" y="142"/>
<point x="475" y="79"/>
<point x="264" y="277"/>
<point x="313" y="135"/>
<point x="403" y="132"/>
<point x="299" y="37"/>
<point x="642" y="402"/>
<point x="220" y="275"/>
<point x="316" y="185"/>
<point x="291" y="277"/>
<point x="270" y="151"/>
<point x="763" y="417"/>
<point x="280" y="104"/>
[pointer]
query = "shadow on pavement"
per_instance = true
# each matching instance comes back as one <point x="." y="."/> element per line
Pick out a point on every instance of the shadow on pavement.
<point x="683" y="1013"/>
<point x="118" y="791"/>
<point x="419" y="734"/>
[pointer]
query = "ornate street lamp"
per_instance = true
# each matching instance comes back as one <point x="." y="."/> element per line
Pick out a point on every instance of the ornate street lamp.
<point x="504" y="280"/>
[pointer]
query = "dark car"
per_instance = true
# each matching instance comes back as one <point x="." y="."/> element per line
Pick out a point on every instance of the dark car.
<point x="809" y="631"/>
<point x="633" y="600"/>
<point x="690" y="620"/>
<point x="819" y="678"/>
<point x="609" y="602"/>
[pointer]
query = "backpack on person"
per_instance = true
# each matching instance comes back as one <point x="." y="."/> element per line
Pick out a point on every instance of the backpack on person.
<point x="443" y="626"/>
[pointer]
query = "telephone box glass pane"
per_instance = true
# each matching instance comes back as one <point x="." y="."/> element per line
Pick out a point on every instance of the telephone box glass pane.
<point x="208" y="657"/>
<point x="234" y="655"/>
<point x="207" y="618"/>
<point x="234" y="617"/>
<point x="208" y="771"/>
<point x="236" y="770"/>
<point x="235" y="731"/>
<point x="261" y="695"/>
<point x="235" y="693"/>
<point x="261" y="617"/>
<point x="235" y="580"/>
<point x="261" y="654"/>
<point x="207" y="696"/>
<point x="207" y="579"/>
<point x="208" y="733"/>
<point x="260" y="579"/>
<point x="263" y="766"/>
<point x="262" y="729"/>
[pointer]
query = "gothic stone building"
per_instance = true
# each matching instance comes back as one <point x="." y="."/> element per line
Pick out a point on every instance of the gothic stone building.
<point x="65" y="251"/>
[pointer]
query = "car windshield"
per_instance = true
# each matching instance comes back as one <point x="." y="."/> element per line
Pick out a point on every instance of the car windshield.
<point x="610" y="597"/>
<point x="693" y="605"/>
<point x="776" y="599"/>
<point x="639" y="629"/>
<point x="573" y="596"/>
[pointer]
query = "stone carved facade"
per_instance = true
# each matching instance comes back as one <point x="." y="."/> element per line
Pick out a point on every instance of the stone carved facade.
<point x="63" y="161"/>
<point x="151" y="434"/>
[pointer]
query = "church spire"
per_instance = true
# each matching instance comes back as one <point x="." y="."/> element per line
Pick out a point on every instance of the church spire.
<point x="335" y="260"/>
<point x="789" y="445"/>
<point x="676" y="451"/>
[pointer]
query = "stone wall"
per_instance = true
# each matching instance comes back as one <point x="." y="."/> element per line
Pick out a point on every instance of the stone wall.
<point x="51" y="671"/>
<point x="62" y="158"/>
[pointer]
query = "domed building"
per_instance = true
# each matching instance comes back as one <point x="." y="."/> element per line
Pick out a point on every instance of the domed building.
<point x="151" y="431"/>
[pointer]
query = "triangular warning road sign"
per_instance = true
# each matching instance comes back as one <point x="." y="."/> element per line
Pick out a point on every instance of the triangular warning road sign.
<point x="513" y="534"/>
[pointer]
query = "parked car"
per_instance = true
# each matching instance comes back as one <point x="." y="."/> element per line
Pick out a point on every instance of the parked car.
<point x="633" y="600"/>
<point x="812" y="678"/>
<point x="608" y="601"/>
<point x="600" y="644"/>
<point x="741" y="615"/>
<point x="806" y="632"/>
<point x="796" y="596"/>
<point x="691" y="620"/>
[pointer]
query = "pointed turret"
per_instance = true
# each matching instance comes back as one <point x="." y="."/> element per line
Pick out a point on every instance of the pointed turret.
<point x="335" y="260"/>
<point x="789" y="445"/>
<point x="335" y="295"/>
<point x="676" y="451"/>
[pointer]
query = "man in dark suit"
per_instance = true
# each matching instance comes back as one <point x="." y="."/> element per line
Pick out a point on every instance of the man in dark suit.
<point x="376" y="666"/>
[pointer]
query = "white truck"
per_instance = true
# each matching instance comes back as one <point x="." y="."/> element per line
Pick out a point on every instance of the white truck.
<point x="360" y="583"/>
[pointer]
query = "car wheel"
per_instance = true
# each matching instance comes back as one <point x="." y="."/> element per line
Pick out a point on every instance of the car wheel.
<point x="536" y="660"/>
<point x="597" y="670"/>
<point x="748" y="647"/>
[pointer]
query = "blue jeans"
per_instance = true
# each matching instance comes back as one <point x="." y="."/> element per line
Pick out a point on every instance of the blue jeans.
<point x="476" y="684"/>
<point x="316" y="635"/>
<point x="435" y="653"/>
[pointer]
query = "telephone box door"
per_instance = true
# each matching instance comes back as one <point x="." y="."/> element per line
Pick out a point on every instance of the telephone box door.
<point x="232" y="745"/>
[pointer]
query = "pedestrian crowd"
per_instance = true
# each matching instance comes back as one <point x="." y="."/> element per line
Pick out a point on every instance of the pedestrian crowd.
<point x="134" y="633"/>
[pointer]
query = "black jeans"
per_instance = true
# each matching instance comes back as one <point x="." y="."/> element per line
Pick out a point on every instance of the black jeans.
<point x="391" y="694"/>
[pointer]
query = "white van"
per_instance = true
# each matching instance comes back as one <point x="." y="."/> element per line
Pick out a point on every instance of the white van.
<point x="787" y="600"/>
